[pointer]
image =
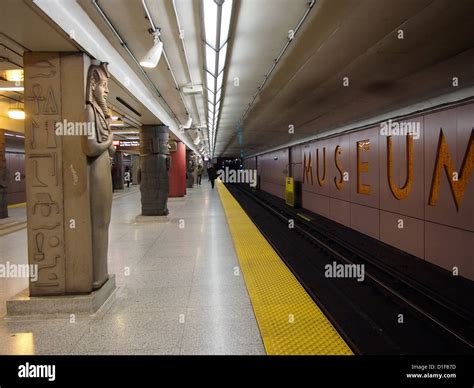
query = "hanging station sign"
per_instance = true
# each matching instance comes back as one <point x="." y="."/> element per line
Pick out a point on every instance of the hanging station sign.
<point x="127" y="145"/>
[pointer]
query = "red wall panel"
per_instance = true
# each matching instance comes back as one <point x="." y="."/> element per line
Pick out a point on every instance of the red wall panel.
<point x="177" y="171"/>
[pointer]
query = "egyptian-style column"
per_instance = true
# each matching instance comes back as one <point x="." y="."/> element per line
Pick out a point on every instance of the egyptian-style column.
<point x="99" y="150"/>
<point x="3" y="177"/>
<point x="154" y="166"/>
<point x="68" y="182"/>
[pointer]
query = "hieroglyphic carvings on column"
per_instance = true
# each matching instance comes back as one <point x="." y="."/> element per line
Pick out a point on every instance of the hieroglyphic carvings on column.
<point x="44" y="172"/>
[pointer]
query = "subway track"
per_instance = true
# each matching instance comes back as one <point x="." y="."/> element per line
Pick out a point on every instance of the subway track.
<point x="397" y="309"/>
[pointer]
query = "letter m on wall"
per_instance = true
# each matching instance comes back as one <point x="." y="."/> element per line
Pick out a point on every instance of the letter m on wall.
<point x="457" y="180"/>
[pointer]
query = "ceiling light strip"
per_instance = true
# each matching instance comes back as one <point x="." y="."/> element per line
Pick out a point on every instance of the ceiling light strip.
<point x="216" y="29"/>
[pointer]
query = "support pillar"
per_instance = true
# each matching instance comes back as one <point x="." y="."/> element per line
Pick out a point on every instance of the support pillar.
<point x="65" y="178"/>
<point x="178" y="171"/>
<point x="154" y="166"/>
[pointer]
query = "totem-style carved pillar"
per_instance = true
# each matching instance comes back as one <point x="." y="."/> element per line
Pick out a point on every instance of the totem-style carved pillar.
<point x="154" y="166"/>
<point x="68" y="182"/>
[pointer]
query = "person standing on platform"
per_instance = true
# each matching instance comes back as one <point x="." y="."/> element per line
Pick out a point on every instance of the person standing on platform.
<point x="212" y="175"/>
<point x="127" y="175"/>
<point x="199" y="174"/>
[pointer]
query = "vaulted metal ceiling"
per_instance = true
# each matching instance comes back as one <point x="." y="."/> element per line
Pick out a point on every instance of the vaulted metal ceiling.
<point x="358" y="39"/>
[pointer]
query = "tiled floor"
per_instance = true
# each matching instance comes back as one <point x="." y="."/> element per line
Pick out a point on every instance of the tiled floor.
<point x="180" y="289"/>
<point x="17" y="213"/>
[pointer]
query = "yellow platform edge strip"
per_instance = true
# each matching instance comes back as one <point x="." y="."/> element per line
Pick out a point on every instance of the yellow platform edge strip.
<point x="290" y="322"/>
<point x="15" y="205"/>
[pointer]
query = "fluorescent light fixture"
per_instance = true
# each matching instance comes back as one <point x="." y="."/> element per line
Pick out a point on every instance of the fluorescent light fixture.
<point x="210" y="95"/>
<point x="210" y="59"/>
<point x="12" y="88"/>
<point x="153" y="55"/>
<point x="225" y="21"/>
<point x="16" y="113"/>
<point x="220" y="78"/>
<point x="15" y="75"/>
<point x="210" y="21"/>
<point x="191" y="90"/>
<point x="222" y="57"/>
<point x="188" y="123"/>
<point x="217" y="19"/>
<point x="210" y="82"/>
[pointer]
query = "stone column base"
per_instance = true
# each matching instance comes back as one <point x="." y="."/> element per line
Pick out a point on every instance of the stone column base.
<point x="23" y="306"/>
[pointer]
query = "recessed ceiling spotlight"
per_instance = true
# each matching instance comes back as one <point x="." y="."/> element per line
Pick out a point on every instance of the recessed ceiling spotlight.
<point x="16" y="113"/>
<point x="12" y="88"/>
<point x="15" y="75"/>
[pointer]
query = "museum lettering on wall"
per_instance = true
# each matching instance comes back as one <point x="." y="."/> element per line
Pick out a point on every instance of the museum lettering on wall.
<point x="457" y="177"/>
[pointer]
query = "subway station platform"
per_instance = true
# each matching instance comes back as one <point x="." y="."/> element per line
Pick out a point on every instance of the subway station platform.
<point x="183" y="288"/>
<point x="237" y="177"/>
<point x="179" y="289"/>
